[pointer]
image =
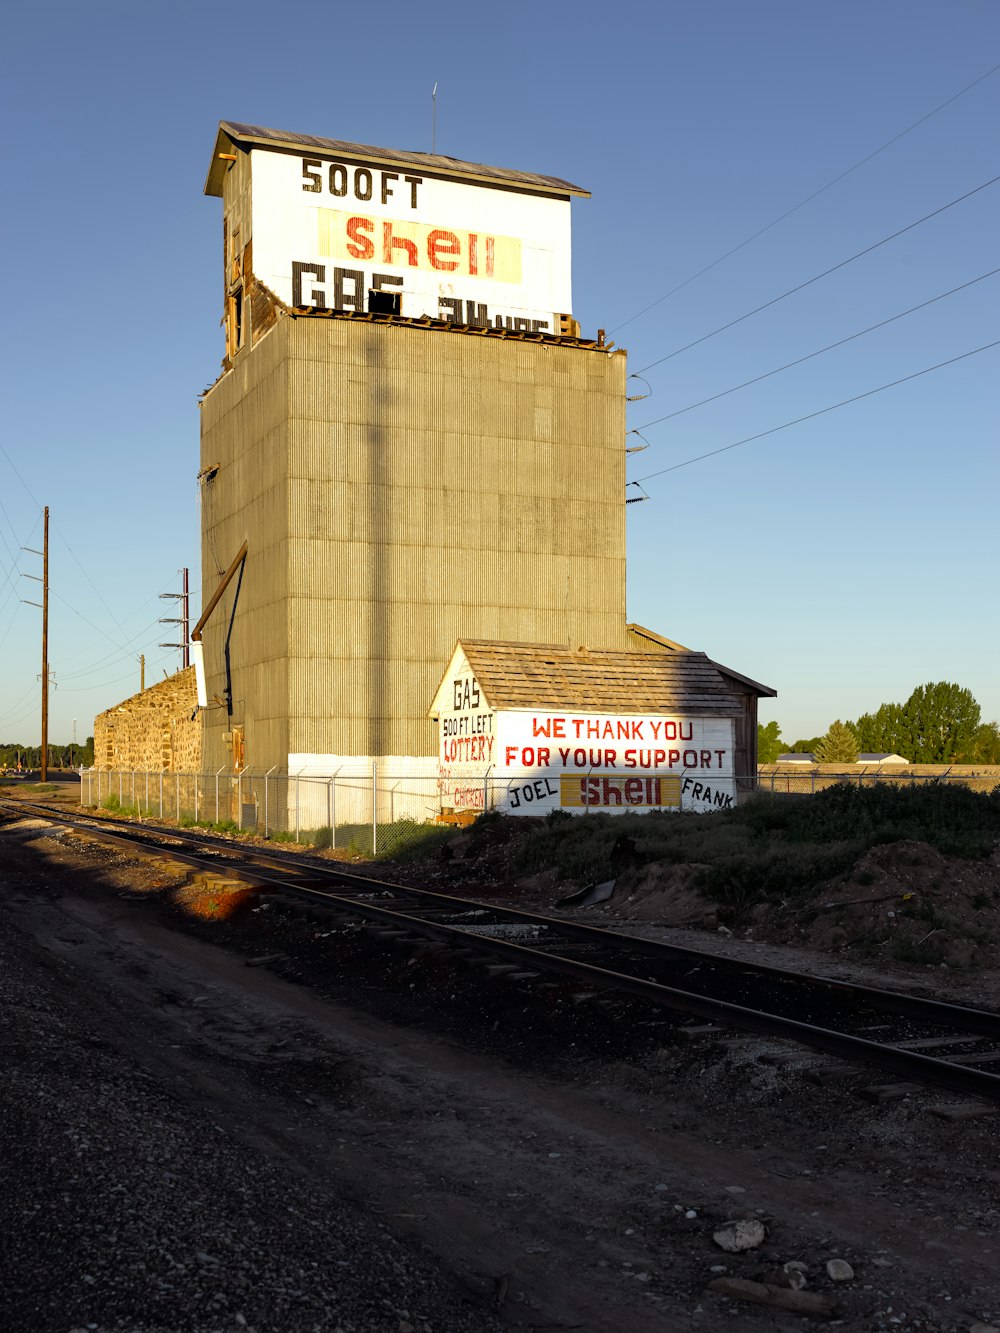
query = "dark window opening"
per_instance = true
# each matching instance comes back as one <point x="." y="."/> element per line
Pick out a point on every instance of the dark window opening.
<point x="385" y="302"/>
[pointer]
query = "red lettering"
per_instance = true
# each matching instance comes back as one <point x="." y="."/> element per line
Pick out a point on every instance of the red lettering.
<point x="543" y="756"/>
<point x="559" y="728"/>
<point x="720" y="753"/>
<point x="360" y="245"/>
<point x="690" y="758"/>
<point x="490" y="255"/>
<point x="590" y="791"/>
<point x="442" y="243"/>
<point x="540" y="728"/>
<point x="634" y="790"/>
<point x="673" y="757"/>
<point x="511" y="755"/>
<point x="391" y="243"/>
<point x="609" y="758"/>
<point x="630" y="759"/>
<point x="611" y="788"/>
<point x="706" y="758"/>
<point x="473" y="254"/>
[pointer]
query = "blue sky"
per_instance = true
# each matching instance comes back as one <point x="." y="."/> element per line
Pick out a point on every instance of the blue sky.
<point x="842" y="561"/>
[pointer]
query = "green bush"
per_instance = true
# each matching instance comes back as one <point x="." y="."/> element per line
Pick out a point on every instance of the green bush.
<point x="402" y="840"/>
<point x="768" y="848"/>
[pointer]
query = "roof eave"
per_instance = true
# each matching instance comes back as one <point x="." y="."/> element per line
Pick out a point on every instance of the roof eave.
<point x="233" y="136"/>
<point x="217" y="168"/>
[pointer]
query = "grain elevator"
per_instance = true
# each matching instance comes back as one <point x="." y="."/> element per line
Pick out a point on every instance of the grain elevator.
<point x="409" y="443"/>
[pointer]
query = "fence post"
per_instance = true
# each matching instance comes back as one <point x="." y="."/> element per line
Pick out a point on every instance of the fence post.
<point x="266" y="776"/>
<point x="195" y="777"/>
<point x="161" y="793"/>
<point x="329" y="810"/>
<point x="177" y="789"/>
<point x="217" y="794"/>
<point x="296" y="807"/>
<point x="147" y="792"/>
<point x="133" y="787"/>
<point x="374" y="808"/>
<point x="239" y="799"/>
<point x="120" y="791"/>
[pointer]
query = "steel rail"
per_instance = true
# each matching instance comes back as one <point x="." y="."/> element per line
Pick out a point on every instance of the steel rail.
<point x="908" y="1064"/>
<point x="982" y="1021"/>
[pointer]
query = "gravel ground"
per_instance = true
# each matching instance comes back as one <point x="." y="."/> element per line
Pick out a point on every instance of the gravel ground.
<point x="369" y="1141"/>
<point x="129" y="1201"/>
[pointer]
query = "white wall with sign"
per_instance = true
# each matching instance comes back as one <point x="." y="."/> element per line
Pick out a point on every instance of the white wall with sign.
<point x="528" y="762"/>
<point x="327" y="232"/>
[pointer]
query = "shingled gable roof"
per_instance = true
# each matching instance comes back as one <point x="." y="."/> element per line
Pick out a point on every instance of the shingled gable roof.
<point x="532" y="675"/>
<point x="670" y="645"/>
<point x="232" y="133"/>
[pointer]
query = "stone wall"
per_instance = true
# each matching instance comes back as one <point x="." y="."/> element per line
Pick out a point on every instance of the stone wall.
<point x="158" y="730"/>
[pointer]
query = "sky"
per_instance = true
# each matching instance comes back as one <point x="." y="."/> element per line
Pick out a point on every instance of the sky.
<point x="842" y="561"/>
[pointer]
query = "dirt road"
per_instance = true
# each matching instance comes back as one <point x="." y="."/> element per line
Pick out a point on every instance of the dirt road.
<point x="191" y="1144"/>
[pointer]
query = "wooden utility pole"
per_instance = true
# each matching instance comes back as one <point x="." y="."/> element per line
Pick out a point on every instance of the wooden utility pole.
<point x="45" y="651"/>
<point x="142" y="671"/>
<point x="185" y="622"/>
<point x="184" y="598"/>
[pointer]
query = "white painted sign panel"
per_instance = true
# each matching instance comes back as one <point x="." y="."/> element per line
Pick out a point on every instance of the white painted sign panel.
<point x="327" y="233"/>
<point x="530" y="762"/>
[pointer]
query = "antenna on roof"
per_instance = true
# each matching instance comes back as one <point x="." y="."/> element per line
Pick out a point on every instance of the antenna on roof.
<point x="434" y="117"/>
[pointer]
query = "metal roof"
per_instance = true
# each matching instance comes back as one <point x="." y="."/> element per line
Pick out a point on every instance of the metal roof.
<point x="531" y="675"/>
<point x="436" y="164"/>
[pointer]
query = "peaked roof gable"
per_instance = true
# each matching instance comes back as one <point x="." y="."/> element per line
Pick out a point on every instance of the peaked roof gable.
<point x="531" y="675"/>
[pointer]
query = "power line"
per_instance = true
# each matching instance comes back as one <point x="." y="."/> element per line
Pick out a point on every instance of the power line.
<point x="821" y="412"/>
<point x="825" y="274"/>
<point x="807" y="200"/>
<point x="97" y="590"/>
<point x="87" y="689"/>
<point x="828" y="348"/>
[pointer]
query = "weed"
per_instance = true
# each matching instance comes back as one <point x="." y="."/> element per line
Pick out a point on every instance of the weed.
<point x="921" y="953"/>
<point x="402" y="840"/>
<point x="770" y="847"/>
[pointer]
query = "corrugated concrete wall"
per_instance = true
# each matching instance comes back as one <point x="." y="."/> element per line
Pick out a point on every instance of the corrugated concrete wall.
<point x="400" y="488"/>
<point x="245" y="433"/>
<point x="153" y="731"/>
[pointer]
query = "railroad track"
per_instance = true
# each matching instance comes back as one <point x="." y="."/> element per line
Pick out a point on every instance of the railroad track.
<point x="891" y="1031"/>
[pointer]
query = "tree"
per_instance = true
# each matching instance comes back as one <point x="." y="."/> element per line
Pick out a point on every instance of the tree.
<point x="884" y="732"/>
<point x="804" y="746"/>
<point x="769" y="744"/>
<point x="942" y="720"/>
<point x="838" y="746"/>
<point x="985" y="747"/>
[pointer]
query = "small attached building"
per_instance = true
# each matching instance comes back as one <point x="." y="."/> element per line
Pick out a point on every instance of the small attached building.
<point x="530" y="728"/>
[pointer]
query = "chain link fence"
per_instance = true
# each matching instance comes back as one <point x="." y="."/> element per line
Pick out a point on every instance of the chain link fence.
<point x="786" y="782"/>
<point x="371" y="813"/>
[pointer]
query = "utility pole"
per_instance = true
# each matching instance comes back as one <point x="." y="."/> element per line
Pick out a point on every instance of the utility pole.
<point x="142" y="672"/>
<point x="45" y="651"/>
<point x="183" y="619"/>
<point x="44" y="604"/>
